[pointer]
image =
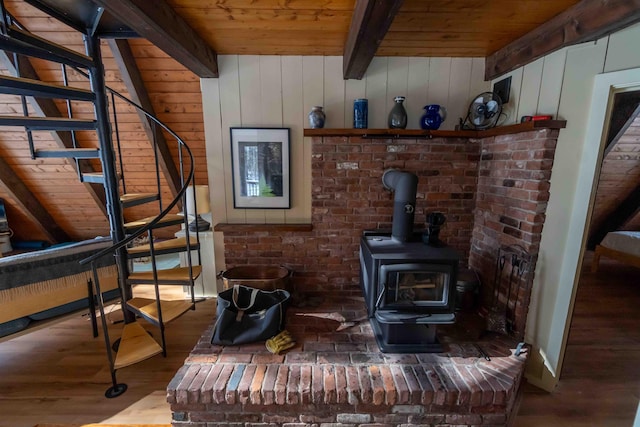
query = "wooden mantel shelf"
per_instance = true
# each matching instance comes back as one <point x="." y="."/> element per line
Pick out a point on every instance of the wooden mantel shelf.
<point x="419" y="133"/>
<point x="252" y="228"/>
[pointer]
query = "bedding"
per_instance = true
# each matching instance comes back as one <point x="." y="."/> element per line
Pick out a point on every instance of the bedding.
<point x="623" y="246"/>
<point x="41" y="284"/>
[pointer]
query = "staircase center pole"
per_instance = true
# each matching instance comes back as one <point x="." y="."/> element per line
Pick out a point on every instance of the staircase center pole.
<point x="107" y="153"/>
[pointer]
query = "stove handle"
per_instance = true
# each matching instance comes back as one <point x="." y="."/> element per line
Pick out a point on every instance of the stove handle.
<point x="379" y="300"/>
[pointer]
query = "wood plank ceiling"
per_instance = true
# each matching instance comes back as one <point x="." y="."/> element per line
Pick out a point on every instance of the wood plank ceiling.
<point x="183" y="37"/>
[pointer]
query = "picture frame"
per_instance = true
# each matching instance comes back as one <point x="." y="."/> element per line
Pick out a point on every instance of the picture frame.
<point x="260" y="163"/>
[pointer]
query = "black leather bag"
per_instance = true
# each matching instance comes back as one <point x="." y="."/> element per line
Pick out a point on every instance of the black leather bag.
<point x="245" y="315"/>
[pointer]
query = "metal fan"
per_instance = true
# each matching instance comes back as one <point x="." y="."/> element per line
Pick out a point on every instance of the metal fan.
<point x="484" y="111"/>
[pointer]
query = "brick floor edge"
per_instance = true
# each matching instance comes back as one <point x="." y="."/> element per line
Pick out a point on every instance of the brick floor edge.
<point x="337" y="376"/>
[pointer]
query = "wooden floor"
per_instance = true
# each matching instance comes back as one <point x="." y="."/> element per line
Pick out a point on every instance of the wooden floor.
<point x="59" y="374"/>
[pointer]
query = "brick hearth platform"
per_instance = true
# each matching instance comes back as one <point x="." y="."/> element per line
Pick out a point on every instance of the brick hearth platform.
<point x="337" y="376"/>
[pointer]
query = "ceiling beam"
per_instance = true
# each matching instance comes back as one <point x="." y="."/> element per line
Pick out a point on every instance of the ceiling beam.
<point x="585" y="21"/>
<point x="161" y="25"/>
<point x="47" y="108"/>
<point x="30" y="205"/>
<point x="370" y="22"/>
<point x="132" y="79"/>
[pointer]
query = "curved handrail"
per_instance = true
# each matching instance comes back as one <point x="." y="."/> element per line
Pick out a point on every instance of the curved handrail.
<point x="171" y="205"/>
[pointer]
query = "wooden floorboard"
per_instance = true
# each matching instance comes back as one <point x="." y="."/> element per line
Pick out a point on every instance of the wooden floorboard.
<point x="59" y="374"/>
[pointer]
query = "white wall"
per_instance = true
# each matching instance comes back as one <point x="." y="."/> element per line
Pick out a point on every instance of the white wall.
<point x="279" y="91"/>
<point x="562" y="84"/>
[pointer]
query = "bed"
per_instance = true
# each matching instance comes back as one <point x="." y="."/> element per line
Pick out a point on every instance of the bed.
<point x="623" y="246"/>
<point x="42" y="284"/>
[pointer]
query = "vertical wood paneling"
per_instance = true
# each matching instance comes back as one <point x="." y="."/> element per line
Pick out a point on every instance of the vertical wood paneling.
<point x="274" y="91"/>
<point x="477" y="84"/>
<point x="334" y="102"/>
<point x="531" y="79"/>
<point x="397" y="80"/>
<point x="294" y="117"/>
<point x="215" y="163"/>
<point x="417" y="88"/>
<point x="439" y="75"/>
<point x="623" y="52"/>
<point x="251" y="110"/>
<point x="459" y="85"/>
<point x="271" y="109"/>
<point x="379" y="105"/>
<point x="551" y="83"/>
<point x="229" y="82"/>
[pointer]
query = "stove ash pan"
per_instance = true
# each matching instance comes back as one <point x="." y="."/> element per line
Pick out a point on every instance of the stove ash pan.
<point x="409" y="288"/>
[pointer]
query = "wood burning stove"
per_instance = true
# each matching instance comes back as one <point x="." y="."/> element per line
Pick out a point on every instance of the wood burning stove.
<point x="409" y="286"/>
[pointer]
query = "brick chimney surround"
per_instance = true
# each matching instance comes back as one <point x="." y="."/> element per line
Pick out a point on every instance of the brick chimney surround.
<point x="493" y="188"/>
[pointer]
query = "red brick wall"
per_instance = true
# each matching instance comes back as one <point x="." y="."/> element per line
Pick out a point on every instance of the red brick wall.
<point x="493" y="191"/>
<point x="513" y="191"/>
<point x="348" y="197"/>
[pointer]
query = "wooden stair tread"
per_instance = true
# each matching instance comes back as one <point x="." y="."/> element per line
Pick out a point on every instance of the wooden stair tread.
<point x="132" y="198"/>
<point x="178" y="275"/>
<point x="166" y="245"/>
<point x="170" y="218"/>
<point x="148" y="308"/>
<point x="136" y="345"/>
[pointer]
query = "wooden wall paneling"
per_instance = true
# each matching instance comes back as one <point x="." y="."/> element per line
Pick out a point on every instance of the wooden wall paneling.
<point x="397" y="85"/>
<point x="417" y="87"/>
<point x="622" y="53"/>
<point x="510" y="109"/>
<point x="229" y="82"/>
<point x="251" y="111"/>
<point x="439" y="77"/>
<point x="530" y="90"/>
<point x="551" y="83"/>
<point x="215" y="162"/>
<point x="271" y="106"/>
<point x="459" y="86"/>
<point x="334" y="92"/>
<point x="353" y="89"/>
<point x="478" y="83"/>
<point x="379" y="105"/>
<point x="295" y="117"/>
<point x="312" y="82"/>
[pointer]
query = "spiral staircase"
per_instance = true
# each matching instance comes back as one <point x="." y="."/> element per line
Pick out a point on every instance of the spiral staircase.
<point x="136" y="343"/>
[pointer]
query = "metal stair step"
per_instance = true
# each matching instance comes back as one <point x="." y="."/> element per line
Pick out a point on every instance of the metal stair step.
<point x="167" y="220"/>
<point x="135" y="346"/>
<point x="76" y="153"/>
<point x="29" y="87"/>
<point x="29" y="44"/>
<point x="48" y="123"/>
<point x="174" y="276"/>
<point x="165" y="247"/>
<point x="147" y="308"/>
<point x="93" y="177"/>
<point x="134" y="199"/>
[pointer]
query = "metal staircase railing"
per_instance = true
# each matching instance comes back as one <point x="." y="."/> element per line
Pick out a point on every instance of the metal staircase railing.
<point x="135" y="344"/>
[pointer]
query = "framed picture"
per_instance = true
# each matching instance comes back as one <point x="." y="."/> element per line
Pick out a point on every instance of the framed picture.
<point x="260" y="165"/>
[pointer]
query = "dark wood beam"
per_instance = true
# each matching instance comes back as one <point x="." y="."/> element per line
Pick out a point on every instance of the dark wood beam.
<point x="157" y="22"/>
<point x="30" y="205"/>
<point x="585" y="21"/>
<point x="47" y="108"/>
<point x="132" y="79"/>
<point x="370" y="22"/>
<point x="629" y="208"/>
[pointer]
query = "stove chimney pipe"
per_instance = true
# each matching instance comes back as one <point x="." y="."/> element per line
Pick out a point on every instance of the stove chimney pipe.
<point x="405" y="185"/>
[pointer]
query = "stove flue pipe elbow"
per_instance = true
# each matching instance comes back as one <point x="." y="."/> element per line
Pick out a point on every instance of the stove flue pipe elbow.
<point x="405" y="186"/>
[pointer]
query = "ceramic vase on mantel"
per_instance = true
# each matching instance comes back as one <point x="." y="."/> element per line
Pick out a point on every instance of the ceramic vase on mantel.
<point x="398" y="115"/>
<point x="316" y="117"/>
